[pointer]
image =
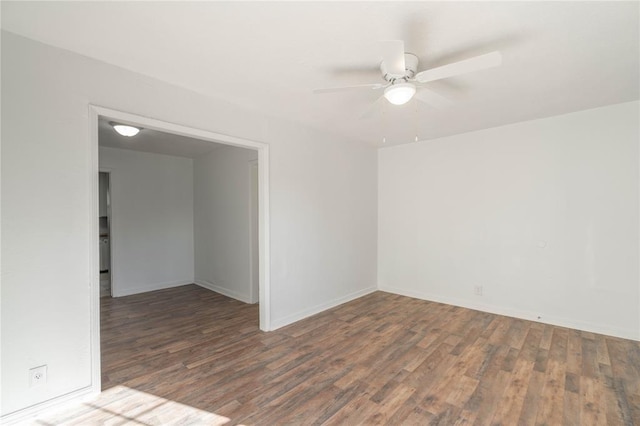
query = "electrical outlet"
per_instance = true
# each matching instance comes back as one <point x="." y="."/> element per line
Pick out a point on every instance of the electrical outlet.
<point x="477" y="290"/>
<point x="37" y="376"/>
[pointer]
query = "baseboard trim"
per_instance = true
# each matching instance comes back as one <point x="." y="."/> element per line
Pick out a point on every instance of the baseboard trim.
<point x="290" y="319"/>
<point x="56" y="403"/>
<point x="224" y="291"/>
<point x="515" y="313"/>
<point x="150" y="287"/>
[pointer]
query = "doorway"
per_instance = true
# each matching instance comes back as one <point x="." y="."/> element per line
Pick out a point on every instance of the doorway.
<point x="260" y="234"/>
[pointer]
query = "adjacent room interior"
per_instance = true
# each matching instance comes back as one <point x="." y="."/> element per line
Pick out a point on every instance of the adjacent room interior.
<point x="179" y="210"/>
<point x="173" y="211"/>
<point x="436" y="205"/>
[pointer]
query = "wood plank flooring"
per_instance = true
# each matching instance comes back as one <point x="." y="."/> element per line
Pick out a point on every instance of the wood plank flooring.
<point x="190" y="356"/>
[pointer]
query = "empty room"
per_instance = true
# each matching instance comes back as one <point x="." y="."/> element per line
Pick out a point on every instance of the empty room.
<point x="332" y="213"/>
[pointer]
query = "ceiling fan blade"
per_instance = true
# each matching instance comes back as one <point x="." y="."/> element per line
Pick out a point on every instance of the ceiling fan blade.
<point x="372" y="108"/>
<point x="345" y="88"/>
<point x="476" y="63"/>
<point x="432" y="98"/>
<point x="393" y="56"/>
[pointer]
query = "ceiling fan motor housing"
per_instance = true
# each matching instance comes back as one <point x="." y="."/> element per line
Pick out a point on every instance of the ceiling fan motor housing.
<point x="410" y="66"/>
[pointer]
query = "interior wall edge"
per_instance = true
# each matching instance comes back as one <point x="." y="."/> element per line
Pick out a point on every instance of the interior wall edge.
<point x="151" y="287"/>
<point x="290" y="319"/>
<point x="515" y="313"/>
<point x="223" y="291"/>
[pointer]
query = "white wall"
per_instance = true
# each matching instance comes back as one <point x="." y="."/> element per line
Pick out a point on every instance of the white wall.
<point x="542" y="214"/>
<point x="152" y="220"/>
<point x="323" y="222"/>
<point x="221" y="221"/>
<point x="322" y="207"/>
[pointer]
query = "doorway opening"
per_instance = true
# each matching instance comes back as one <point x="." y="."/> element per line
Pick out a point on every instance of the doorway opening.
<point x="104" y="207"/>
<point x="257" y="220"/>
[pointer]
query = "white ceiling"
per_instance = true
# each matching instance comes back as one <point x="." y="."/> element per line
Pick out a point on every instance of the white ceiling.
<point x="558" y="57"/>
<point x="149" y="140"/>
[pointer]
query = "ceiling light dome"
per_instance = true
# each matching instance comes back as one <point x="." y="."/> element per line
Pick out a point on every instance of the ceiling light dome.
<point x="400" y="94"/>
<point x="125" y="130"/>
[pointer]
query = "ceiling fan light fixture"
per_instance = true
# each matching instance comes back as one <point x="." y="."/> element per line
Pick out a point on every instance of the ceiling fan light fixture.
<point x="125" y="130"/>
<point x="400" y="94"/>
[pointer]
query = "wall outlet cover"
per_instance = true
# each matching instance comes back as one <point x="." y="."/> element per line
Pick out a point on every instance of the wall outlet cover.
<point x="37" y="376"/>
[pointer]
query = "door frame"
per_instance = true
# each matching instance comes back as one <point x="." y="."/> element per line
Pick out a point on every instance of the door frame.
<point x="95" y="112"/>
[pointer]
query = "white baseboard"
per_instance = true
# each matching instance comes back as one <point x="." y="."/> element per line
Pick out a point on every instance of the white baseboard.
<point x="224" y="291"/>
<point x="515" y="313"/>
<point x="136" y="289"/>
<point x="28" y="414"/>
<point x="290" y="319"/>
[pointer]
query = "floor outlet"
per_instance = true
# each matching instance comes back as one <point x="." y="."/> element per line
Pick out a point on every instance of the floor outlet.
<point x="37" y="376"/>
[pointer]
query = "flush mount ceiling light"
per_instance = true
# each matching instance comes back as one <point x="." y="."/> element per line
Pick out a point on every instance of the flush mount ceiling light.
<point x="124" y="129"/>
<point x="400" y="94"/>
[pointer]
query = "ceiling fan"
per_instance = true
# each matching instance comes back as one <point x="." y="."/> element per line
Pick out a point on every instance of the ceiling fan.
<point x="401" y="81"/>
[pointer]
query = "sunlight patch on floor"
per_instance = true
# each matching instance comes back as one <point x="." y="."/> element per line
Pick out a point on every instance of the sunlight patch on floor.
<point x="122" y="405"/>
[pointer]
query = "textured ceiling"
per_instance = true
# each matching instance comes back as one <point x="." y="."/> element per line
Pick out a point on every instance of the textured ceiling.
<point x="558" y="57"/>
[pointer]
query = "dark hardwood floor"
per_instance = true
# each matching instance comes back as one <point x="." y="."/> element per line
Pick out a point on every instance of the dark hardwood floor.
<point x="190" y="356"/>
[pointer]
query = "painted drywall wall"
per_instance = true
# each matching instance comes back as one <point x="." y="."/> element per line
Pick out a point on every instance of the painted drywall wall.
<point x="322" y="207"/>
<point x="221" y="221"/>
<point x="151" y="220"/>
<point x="323" y="217"/>
<point x="254" y="231"/>
<point x="542" y="214"/>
